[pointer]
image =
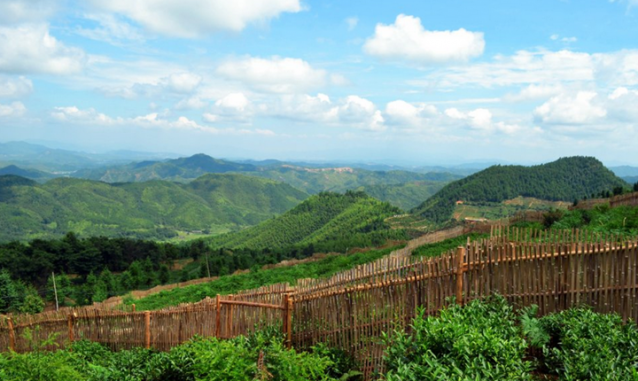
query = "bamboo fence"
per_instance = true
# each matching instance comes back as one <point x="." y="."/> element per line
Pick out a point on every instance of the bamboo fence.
<point x="555" y="270"/>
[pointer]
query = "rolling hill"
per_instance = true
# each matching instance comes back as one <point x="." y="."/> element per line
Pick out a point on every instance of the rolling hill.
<point x="334" y="217"/>
<point x="153" y="209"/>
<point x="404" y="189"/>
<point x="182" y="169"/>
<point x="566" y="179"/>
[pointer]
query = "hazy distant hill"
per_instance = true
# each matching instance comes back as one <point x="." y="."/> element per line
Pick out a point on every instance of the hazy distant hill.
<point x="47" y="159"/>
<point x="565" y="179"/>
<point x="625" y="171"/>
<point x="32" y="174"/>
<point x="324" y="217"/>
<point x="631" y="179"/>
<point x="182" y="169"/>
<point x="154" y="209"/>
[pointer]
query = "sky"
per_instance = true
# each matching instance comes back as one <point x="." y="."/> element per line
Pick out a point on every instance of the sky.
<point x="400" y="82"/>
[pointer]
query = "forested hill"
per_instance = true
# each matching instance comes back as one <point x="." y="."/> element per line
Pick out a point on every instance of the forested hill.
<point x="154" y="209"/>
<point x="353" y="218"/>
<point x="185" y="168"/>
<point x="566" y="179"/>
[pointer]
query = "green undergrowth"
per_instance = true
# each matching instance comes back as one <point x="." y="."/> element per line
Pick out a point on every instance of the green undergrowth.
<point x="233" y="283"/>
<point x="438" y="248"/>
<point x="489" y="340"/>
<point x="601" y="219"/>
<point x="261" y="356"/>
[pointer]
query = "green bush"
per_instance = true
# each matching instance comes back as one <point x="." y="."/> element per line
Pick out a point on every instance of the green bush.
<point x="478" y="342"/>
<point x="579" y="344"/>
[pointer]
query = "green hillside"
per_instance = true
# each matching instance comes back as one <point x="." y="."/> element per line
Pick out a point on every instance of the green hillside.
<point x="326" y="217"/>
<point x="315" y="180"/>
<point x="405" y="196"/>
<point x="154" y="209"/>
<point x="566" y="179"/>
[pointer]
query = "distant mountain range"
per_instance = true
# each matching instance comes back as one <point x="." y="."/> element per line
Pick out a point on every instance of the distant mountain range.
<point x="566" y="179"/>
<point x="58" y="161"/>
<point x="154" y="209"/>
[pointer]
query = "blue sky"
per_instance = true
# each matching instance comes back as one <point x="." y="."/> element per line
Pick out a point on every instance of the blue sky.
<point x="412" y="82"/>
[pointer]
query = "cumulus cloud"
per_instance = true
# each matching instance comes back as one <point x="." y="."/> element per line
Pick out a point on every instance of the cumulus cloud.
<point x="351" y="111"/>
<point x="15" y="87"/>
<point x="402" y="113"/>
<point x="274" y="75"/>
<point x="406" y="39"/>
<point x="580" y="108"/>
<point x="481" y="120"/>
<point x="31" y="49"/>
<point x="234" y="107"/>
<point x="20" y="11"/>
<point x="14" y="109"/>
<point x="194" y="18"/>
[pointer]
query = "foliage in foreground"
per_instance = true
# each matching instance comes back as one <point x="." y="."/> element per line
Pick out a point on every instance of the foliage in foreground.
<point x="478" y="342"/>
<point x="260" y="356"/>
<point x="486" y="340"/>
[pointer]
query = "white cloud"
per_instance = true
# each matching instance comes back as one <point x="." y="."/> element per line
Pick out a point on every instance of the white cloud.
<point x="534" y="92"/>
<point x="522" y="68"/>
<point x="556" y="37"/>
<point x="582" y="108"/>
<point x="111" y="29"/>
<point x="234" y="108"/>
<point x="179" y="83"/>
<point x="183" y="82"/>
<point x="407" y="39"/>
<point x="17" y="87"/>
<point x="481" y="120"/>
<point x="352" y="22"/>
<point x="14" y="109"/>
<point x="402" y="113"/>
<point x="31" y="49"/>
<point x="91" y="117"/>
<point x="20" y="11"/>
<point x="352" y="111"/>
<point x="275" y="75"/>
<point x="194" y="18"/>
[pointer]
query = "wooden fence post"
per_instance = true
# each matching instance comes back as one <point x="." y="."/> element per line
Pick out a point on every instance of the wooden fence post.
<point x="229" y="318"/>
<point x="12" y="335"/>
<point x="218" y="317"/>
<point x="287" y="319"/>
<point x="70" y="323"/>
<point x="147" y="323"/>
<point x="133" y="307"/>
<point x="460" y="269"/>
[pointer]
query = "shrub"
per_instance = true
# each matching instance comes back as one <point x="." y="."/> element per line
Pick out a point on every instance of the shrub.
<point x="478" y="342"/>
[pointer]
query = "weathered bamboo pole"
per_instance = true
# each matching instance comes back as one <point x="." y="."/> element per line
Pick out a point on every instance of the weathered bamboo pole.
<point x="70" y="324"/>
<point x="460" y="269"/>
<point x="287" y="318"/>
<point x="218" y="317"/>
<point x="147" y="323"/>
<point x="12" y="335"/>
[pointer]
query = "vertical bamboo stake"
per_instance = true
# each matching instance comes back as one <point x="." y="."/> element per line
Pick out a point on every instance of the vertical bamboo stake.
<point x="218" y="317"/>
<point x="229" y="319"/>
<point x="12" y="335"/>
<point x="147" y="323"/>
<point x="460" y="254"/>
<point x="70" y="323"/>
<point x="133" y="307"/>
<point x="287" y="319"/>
